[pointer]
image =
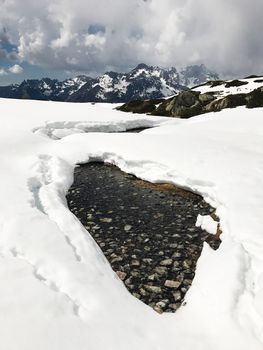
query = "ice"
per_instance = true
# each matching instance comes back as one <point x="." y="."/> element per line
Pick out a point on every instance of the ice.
<point x="58" y="290"/>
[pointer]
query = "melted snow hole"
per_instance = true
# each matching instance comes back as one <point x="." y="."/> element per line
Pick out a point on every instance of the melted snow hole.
<point x="147" y="231"/>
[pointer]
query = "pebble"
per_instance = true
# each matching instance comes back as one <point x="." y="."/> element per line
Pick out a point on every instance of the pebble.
<point x="153" y="289"/>
<point x="106" y="220"/>
<point x="135" y="263"/>
<point x="177" y="296"/>
<point x="121" y="275"/>
<point x="127" y="228"/>
<point x="172" y="284"/>
<point x="166" y="262"/>
<point x="161" y="270"/>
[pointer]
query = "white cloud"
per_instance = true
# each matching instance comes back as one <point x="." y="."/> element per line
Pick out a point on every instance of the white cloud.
<point x="16" y="69"/>
<point x="117" y="34"/>
<point x="2" y="72"/>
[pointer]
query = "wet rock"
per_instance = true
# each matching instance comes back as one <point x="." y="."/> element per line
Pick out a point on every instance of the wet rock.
<point x="121" y="275"/>
<point x="106" y="220"/>
<point x="166" y="262"/>
<point x="152" y="277"/>
<point x="172" y="284"/>
<point x="161" y="270"/>
<point x="162" y="304"/>
<point x="153" y="289"/>
<point x="143" y="292"/>
<point x="135" y="263"/>
<point x="174" y="306"/>
<point x="177" y="296"/>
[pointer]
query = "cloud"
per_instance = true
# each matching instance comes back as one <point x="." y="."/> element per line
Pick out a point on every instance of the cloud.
<point x="94" y="36"/>
<point x="16" y="69"/>
<point x="2" y="72"/>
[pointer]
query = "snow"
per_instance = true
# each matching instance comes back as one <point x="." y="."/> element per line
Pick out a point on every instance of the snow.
<point x="207" y="223"/>
<point x="105" y="82"/>
<point x="122" y="86"/>
<point x="57" y="289"/>
<point x="221" y="90"/>
<point x="140" y="72"/>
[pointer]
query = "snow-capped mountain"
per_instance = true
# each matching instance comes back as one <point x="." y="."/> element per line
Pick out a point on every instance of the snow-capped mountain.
<point x="44" y="89"/>
<point x="143" y="82"/>
<point x="196" y="75"/>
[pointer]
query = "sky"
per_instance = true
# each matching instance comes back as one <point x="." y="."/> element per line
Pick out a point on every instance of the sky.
<point x="61" y="38"/>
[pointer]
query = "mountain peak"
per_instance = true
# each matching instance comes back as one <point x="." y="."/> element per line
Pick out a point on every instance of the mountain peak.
<point x="142" y="66"/>
<point x="143" y="82"/>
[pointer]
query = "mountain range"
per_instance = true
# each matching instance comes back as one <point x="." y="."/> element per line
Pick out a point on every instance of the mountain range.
<point x="142" y="82"/>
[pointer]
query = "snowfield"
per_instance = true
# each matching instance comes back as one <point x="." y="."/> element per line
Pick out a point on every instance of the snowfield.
<point x="57" y="289"/>
<point x="221" y="90"/>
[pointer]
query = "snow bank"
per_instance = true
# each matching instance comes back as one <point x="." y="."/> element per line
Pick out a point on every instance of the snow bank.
<point x="220" y="90"/>
<point x="57" y="289"/>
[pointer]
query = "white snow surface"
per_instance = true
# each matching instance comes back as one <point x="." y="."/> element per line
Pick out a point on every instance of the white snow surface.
<point x="57" y="289"/>
<point x="222" y="91"/>
<point x="207" y="223"/>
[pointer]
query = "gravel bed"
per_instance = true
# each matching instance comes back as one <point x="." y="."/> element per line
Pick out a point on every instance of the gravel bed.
<point x="146" y="231"/>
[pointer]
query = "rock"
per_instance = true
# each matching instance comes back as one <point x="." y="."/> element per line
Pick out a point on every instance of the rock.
<point x="121" y="275"/>
<point x="127" y="228"/>
<point x="177" y="255"/>
<point x="216" y="83"/>
<point x="187" y="105"/>
<point x="255" y="98"/>
<point x="206" y="98"/>
<point x="187" y="264"/>
<point x="177" y="296"/>
<point x="162" y="304"/>
<point x="136" y="295"/>
<point x="147" y="260"/>
<point x="153" y="289"/>
<point x="174" y="306"/>
<point x="229" y="101"/>
<point x="137" y="106"/>
<point x="161" y="270"/>
<point x="172" y="284"/>
<point x="158" y="309"/>
<point x="135" y="263"/>
<point x="135" y="273"/>
<point x="128" y="281"/>
<point x="143" y="292"/>
<point x="235" y="83"/>
<point x="108" y="220"/>
<point x="187" y="283"/>
<point x="166" y="262"/>
<point x="117" y="259"/>
<point x="152" y="277"/>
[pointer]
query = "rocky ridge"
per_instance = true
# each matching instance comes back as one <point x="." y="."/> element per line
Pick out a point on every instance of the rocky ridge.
<point x="212" y="96"/>
<point x="142" y="82"/>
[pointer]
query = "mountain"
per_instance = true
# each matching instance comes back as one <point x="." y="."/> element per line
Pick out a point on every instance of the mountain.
<point x="212" y="96"/>
<point x="143" y="82"/>
<point x="44" y="89"/>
